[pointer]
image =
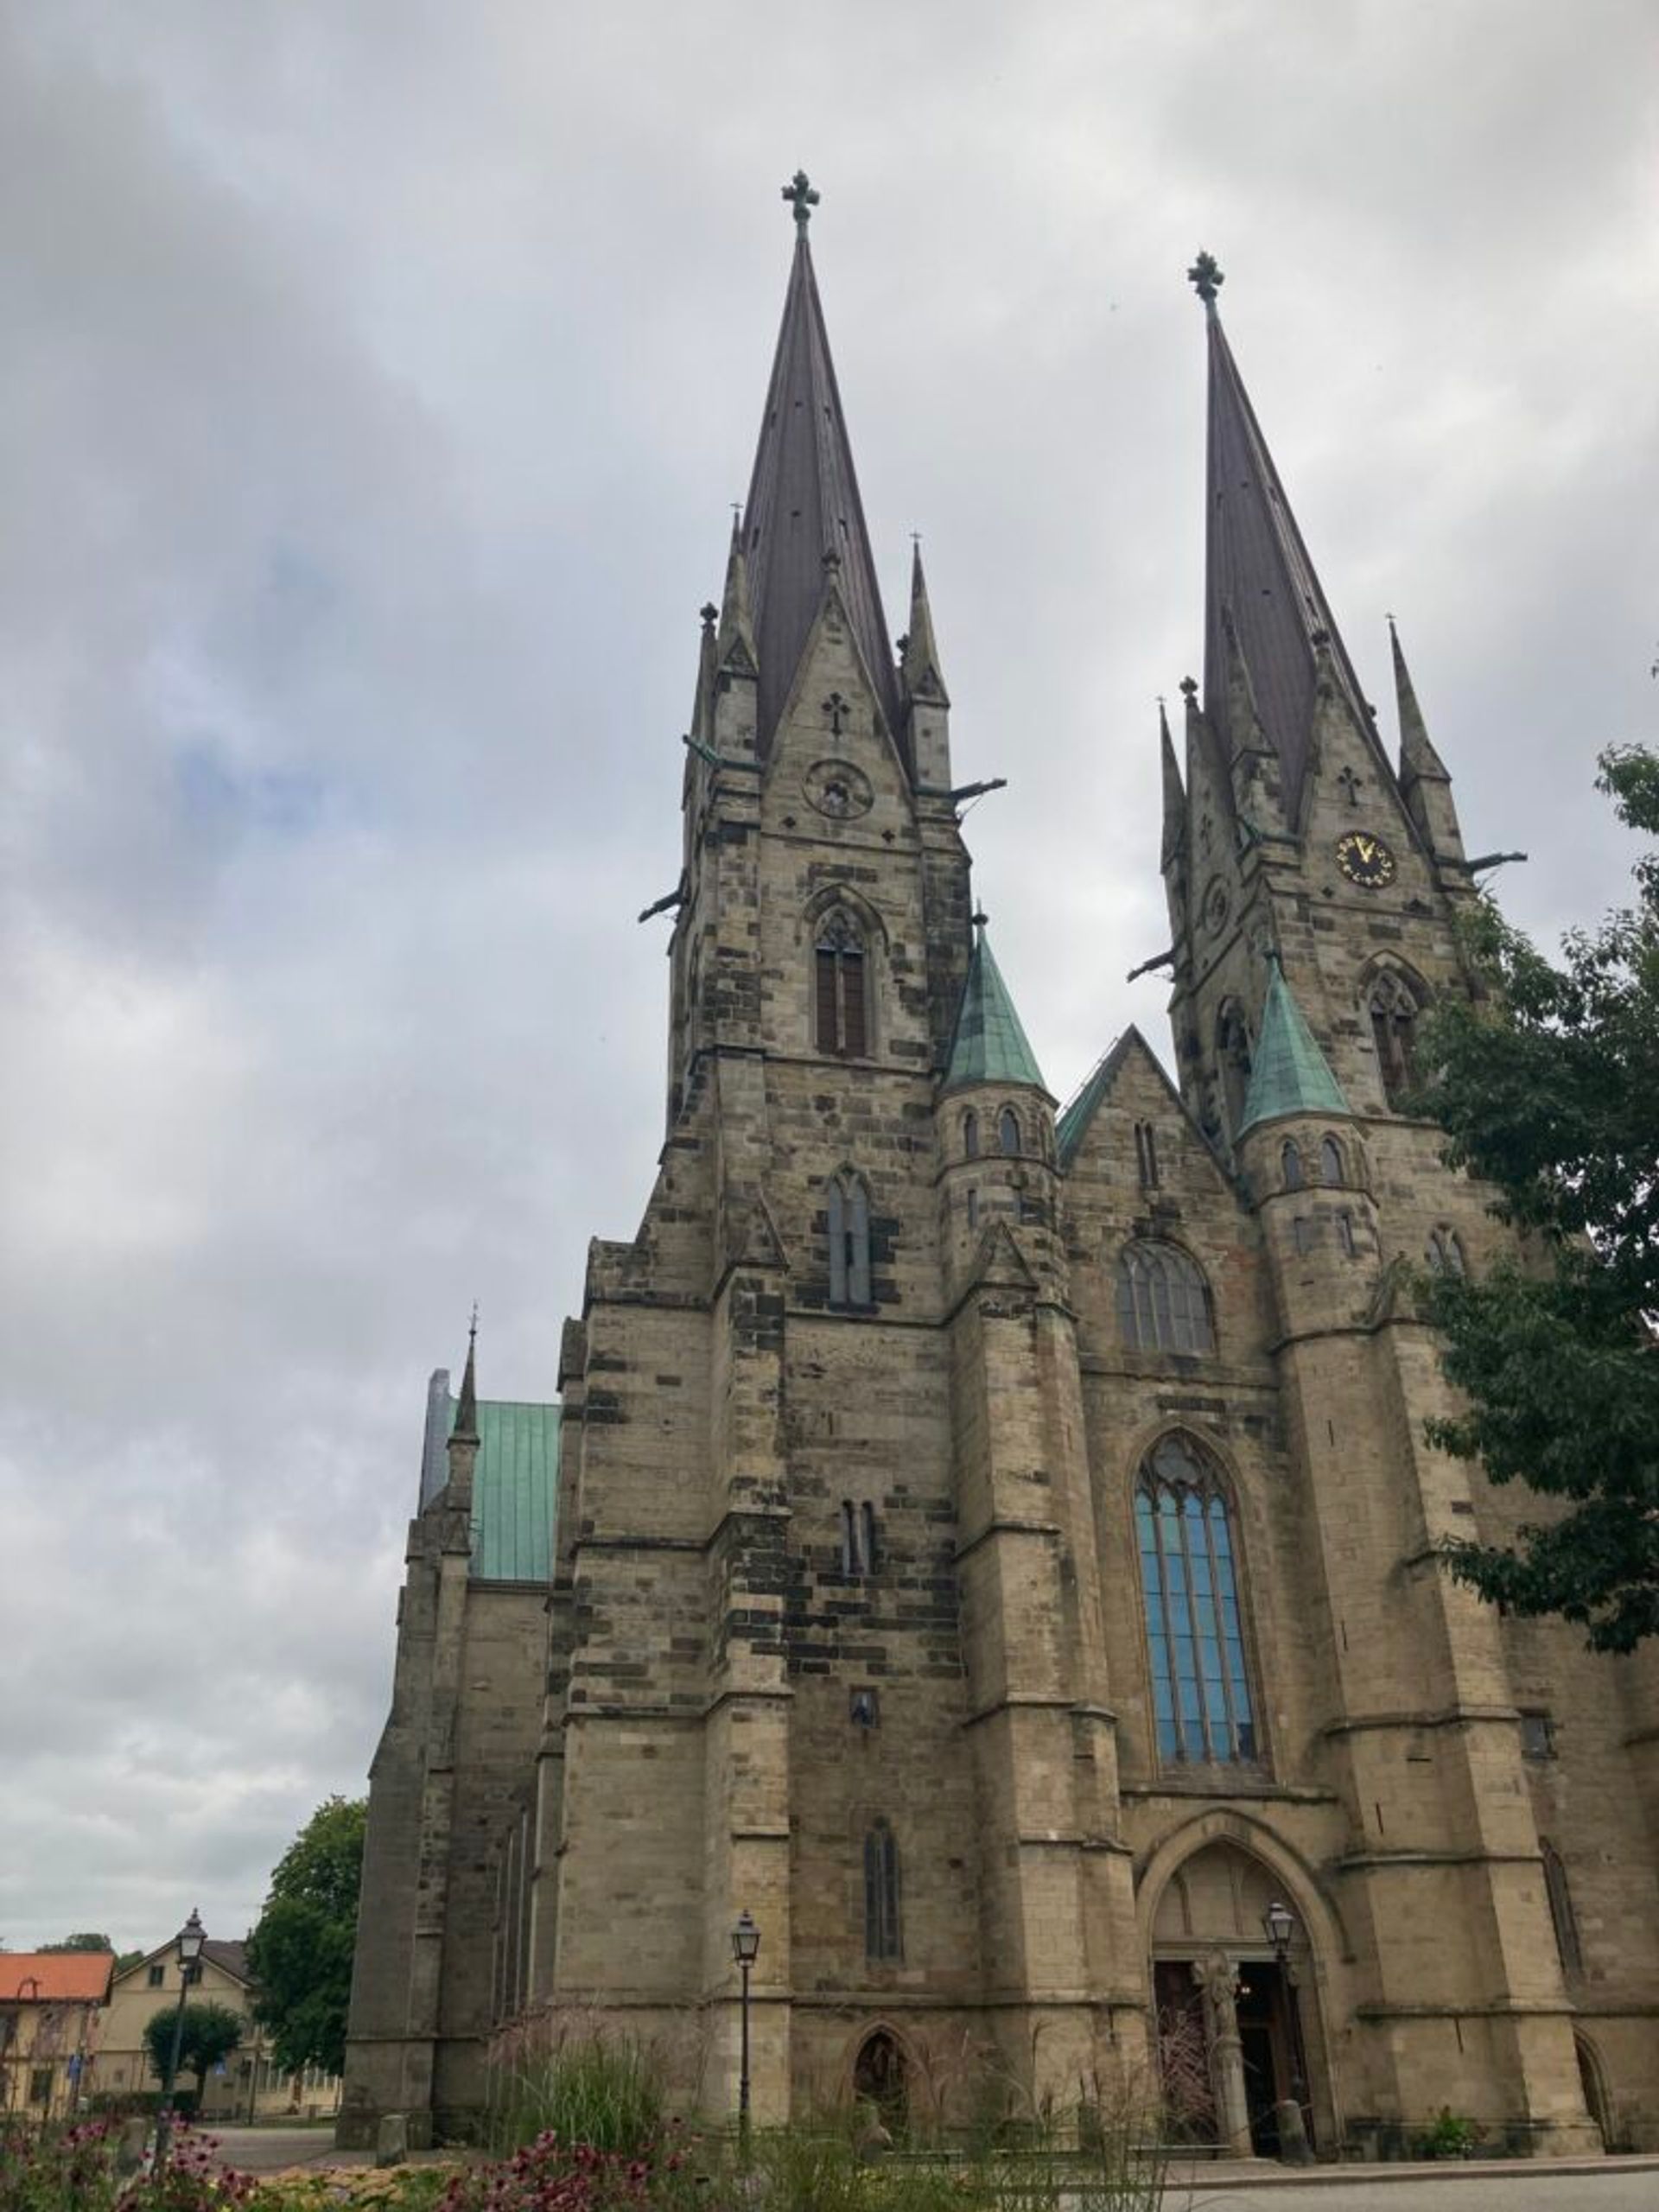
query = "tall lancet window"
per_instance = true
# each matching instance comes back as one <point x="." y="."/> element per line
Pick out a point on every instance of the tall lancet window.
<point x="1233" y="1060"/>
<point x="1201" y="1700"/>
<point x="1393" y="1006"/>
<point x="846" y="1207"/>
<point x="841" y="988"/>
<point x="882" y="1938"/>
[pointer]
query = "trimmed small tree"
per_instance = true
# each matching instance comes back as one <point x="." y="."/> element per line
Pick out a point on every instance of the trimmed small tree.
<point x="209" y="2032"/>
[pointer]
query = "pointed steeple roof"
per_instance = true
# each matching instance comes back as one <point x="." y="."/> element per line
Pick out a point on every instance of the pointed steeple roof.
<point x="1417" y="754"/>
<point x="924" y="678"/>
<point x="1258" y="573"/>
<point x="1290" y="1074"/>
<point x="804" y="505"/>
<point x="988" y="1044"/>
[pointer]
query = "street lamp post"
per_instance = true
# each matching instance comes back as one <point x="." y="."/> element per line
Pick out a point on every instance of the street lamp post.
<point x="191" y="1937"/>
<point x="746" y="1946"/>
<point x="1280" y="1923"/>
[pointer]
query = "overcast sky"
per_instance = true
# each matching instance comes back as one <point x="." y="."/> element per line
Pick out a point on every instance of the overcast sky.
<point x="374" y="383"/>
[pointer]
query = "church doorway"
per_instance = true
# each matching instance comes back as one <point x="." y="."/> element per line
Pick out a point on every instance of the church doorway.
<point x="879" y="2080"/>
<point x="1233" y="2020"/>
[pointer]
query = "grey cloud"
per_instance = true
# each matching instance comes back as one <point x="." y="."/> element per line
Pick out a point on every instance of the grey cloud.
<point x="376" y="383"/>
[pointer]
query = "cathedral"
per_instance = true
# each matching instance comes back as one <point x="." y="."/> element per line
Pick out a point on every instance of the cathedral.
<point x="995" y="1545"/>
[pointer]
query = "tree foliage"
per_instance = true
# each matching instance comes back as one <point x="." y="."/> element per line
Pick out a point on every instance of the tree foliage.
<point x="209" y="2033"/>
<point x="84" y="1941"/>
<point x="300" y="1954"/>
<point x="1547" y="1085"/>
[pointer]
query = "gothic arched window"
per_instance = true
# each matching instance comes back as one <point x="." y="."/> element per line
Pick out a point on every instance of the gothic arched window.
<point x="847" y="1205"/>
<point x="1233" y="1058"/>
<point x="1331" y="1161"/>
<point x="881" y="1931"/>
<point x="1200" y="1684"/>
<point x="970" y="1135"/>
<point x="841" y="986"/>
<point x="1008" y="1132"/>
<point x="1393" y="1007"/>
<point x="1444" y="1253"/>
<point x="1162" y="1301"/>
<point x="1563" y="1919"/>
<point x="1290" y="1165"/>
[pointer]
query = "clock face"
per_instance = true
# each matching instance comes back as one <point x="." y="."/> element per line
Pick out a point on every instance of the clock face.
<point x="1365" y="860"/>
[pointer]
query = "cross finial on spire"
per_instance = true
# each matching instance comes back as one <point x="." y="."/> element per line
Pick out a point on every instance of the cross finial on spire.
<point x="1206" y="279"/>
<point x="803" y="198"/>
<point x="980" y="919"/>
<point x="472" y="1326"/>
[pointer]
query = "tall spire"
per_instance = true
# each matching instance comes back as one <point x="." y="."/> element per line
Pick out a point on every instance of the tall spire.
<point x="803" y="520"/>
<point x="924" y="678"/>
<point x="1257" y="567"/>
<point x="989" y="1044"/>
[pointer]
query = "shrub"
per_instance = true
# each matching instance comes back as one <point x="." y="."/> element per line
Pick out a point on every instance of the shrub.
<point x="1450" y="2136"/>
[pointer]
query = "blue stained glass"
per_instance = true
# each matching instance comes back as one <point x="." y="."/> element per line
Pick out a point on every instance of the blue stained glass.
<point x="1201" y="1699"/>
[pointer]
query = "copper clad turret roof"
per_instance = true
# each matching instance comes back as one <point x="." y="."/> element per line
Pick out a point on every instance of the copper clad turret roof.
<point x="804" y="504"/>
<point x="1258" y="573"/>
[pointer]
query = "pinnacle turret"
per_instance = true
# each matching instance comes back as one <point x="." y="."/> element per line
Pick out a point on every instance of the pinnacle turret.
<point x="803" y="529"/>
<point x="466" y="1427"/>
<point x="1290" y="1074"/>
<point x="919" y="667"/>
<point x="1175" y="793"/>
<point x="1417" y="753"/>
<point x="734" y="639"/>
<point x="989" y="1044"/>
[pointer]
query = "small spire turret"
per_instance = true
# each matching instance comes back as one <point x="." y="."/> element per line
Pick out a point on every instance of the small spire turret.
<point x="734" y="638"/>
<point x="1175" y="794"/>
<point x="919" y="667"/>
<point x="1425" y="782"/>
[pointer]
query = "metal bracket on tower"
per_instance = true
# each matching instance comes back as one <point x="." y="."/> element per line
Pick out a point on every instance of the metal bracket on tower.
<point x="962" y="791"/>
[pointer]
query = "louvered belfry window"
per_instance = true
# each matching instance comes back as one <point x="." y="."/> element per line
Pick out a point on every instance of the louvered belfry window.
<point x="841" y="988"/>
<point x="882" y="1938"/>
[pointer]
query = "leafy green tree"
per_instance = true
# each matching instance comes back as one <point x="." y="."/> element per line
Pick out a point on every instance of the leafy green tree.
<point x="300" y="1954"/>
<point x="82" y="1942"/>
<point x="1547" y="1086"/>
<point x="210" y="2032"/>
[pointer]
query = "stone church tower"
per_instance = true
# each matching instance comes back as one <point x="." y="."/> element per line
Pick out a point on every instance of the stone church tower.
<point x="996" y="1550"/>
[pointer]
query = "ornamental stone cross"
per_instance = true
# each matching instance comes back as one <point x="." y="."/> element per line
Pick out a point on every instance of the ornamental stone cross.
<point x="1349" y="782"/>
<point x="1205" y="278"/>
<point x="834" y="706"/>
<point x="803" y="198"/>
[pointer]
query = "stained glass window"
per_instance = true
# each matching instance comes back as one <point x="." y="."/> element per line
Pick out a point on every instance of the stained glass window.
<point x="1161" y="1302"/>
<point x="1200" y="1684"/>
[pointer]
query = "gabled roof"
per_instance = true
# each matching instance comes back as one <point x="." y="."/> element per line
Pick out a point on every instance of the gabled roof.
<point x="803" y="503"/>
<point x="55" y="1977"/>
<point x="228" y="1954"/>
<point x="1290" y="1074"/>
<point x="1097" y="1087"/>
<point x="515" y="1491"/>
<point x="988" y="1044"/>
<point x="1258" y="575"/>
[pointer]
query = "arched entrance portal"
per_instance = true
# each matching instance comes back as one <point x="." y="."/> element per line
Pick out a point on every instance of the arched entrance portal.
<point x="1233" y="2020"/>
<point x="879" y="2080"/>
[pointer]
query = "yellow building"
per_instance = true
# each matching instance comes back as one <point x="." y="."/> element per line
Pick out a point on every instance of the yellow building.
<point x="250" y="2086"/>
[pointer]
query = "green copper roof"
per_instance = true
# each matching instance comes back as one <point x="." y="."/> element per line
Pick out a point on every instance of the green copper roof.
<point x="515" y="1491"/>
<point x="988" y="1044"/>
<point x="1291" y="1074"/>
<point x="1074" y="1121"/>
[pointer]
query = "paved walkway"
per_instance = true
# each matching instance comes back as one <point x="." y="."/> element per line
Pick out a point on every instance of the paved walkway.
<point x="269" y="2149"/>
<point x="1483" y="2185"/>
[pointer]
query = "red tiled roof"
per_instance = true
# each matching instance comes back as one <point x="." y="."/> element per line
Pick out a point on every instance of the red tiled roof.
<point x="55" y="1977"/>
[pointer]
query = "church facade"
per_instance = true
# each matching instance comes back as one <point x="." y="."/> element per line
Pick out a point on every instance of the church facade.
<point x="996" y="1546"/>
